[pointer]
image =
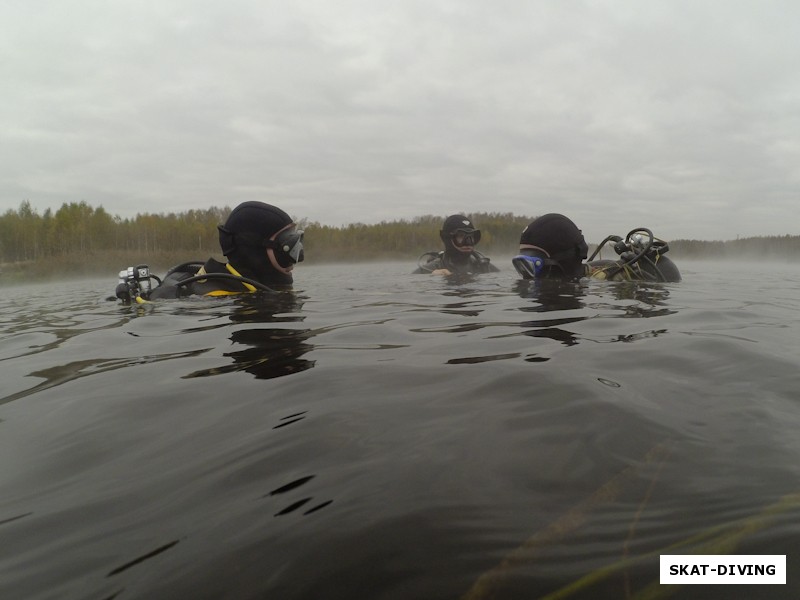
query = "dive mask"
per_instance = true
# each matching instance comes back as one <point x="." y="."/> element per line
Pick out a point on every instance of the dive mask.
<point x="465" y="237"/>
<point x="288" y="245"/>
<point x="535" y="267"/>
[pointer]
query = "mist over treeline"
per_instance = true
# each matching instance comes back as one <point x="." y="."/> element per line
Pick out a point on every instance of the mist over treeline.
<point x="77" y="235"/>
<point x="80" y="238"/>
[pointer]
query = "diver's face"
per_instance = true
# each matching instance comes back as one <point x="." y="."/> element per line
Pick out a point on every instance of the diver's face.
<point x="465" y="240"/>
<point x="290" y="252"/>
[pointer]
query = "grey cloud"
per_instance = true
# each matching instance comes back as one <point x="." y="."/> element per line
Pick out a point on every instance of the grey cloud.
<point x="677" y="115"/>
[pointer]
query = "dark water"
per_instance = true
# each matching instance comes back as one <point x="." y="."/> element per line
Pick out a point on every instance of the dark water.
<point x="382" y="435"/>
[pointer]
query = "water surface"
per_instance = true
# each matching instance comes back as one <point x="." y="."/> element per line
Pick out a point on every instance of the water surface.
<point x="380" y="435"/>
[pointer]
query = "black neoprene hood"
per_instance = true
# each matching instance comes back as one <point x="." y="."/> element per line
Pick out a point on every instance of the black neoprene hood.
<point x="250" y="224"/>
<point x="243" y="240"/>
<point x="560" y="238"/>
<point x="552" y="232"/>
<point x="455" y="222"/>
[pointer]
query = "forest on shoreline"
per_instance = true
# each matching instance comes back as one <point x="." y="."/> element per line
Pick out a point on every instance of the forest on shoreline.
<point x="79" y="239"/>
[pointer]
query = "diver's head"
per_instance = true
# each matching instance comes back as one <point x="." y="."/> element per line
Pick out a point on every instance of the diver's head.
<point x="262" y="242"/>
<point x="459" y="236"/>
<point x="551" y="247"/>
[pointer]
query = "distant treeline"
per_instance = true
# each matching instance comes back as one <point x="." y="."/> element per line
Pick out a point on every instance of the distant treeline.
<point x="77" y="228"/>
<point x="80" y="238"/>
<point x="83" y="239"/>
<point x="406" y="239"/>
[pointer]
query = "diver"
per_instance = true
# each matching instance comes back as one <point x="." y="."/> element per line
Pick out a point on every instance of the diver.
<point x="459" y="256"/>
<point x="552" y="247"/>
<point x="262" y="245"/>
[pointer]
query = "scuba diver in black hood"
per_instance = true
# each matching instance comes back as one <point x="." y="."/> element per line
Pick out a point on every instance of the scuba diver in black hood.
<point x="552" y="247"/>
<point x="459" y="256"/>
<point x="262" y="245"/>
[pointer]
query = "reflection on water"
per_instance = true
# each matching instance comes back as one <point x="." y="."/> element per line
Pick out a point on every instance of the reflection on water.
<point x="561" y="296"/>
<point x="268" y="352"/>
<point x="307" y="502"/>
<point x="549" y="295"/>
<point x="61" y="374"/>
<point x="141" y="559"/>
<point x="650" y="301"/>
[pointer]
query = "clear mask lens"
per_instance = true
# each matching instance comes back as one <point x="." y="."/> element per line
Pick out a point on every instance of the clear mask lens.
<point x="290" y="242"/>
<point x="466" y="237"/>
<point x="530" y="267"/>
<point x="537" y="267"/>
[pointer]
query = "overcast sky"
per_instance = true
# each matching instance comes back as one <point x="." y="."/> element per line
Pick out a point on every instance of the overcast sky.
<point x="679" y="115"/>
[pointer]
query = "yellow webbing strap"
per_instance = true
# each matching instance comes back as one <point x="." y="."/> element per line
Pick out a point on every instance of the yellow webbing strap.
<point x="233" y="271"/>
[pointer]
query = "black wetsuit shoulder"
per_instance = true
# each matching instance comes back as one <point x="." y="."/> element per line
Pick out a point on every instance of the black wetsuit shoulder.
<point x="483" y="264"/>
<point x="170" y="287"/>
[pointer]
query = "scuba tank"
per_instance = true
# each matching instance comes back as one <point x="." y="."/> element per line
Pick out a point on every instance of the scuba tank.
<point x="641" y="258"/>
<point x="135" y="283"/>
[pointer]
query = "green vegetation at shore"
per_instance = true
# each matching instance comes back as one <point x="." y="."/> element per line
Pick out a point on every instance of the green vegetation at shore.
<point x="79" y="239"/>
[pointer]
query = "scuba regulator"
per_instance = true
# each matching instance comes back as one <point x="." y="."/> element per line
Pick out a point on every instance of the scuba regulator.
<point x="134" y="283"/>
<point x="640" y="254"/>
